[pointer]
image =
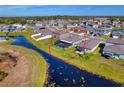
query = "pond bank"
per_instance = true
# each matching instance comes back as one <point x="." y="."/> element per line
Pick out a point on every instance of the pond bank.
<point x="27" y="72"/>
<point x="63" y="74"/>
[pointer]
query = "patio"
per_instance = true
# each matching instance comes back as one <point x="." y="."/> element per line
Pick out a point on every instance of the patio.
<point x="62" y="44"/>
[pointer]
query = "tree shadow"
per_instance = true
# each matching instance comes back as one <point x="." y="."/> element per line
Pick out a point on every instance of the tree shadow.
<point x="101" y="46"/>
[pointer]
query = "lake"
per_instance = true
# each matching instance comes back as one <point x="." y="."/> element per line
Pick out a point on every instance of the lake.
<point x="64" y="74"/>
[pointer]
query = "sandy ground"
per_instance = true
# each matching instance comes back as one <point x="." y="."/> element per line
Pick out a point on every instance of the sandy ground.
<point x="25" y="73"/>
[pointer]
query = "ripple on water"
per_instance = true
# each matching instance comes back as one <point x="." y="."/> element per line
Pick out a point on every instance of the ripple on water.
<point x="74" y="81"/>
<point x="60" y="73"/>
<point x="66" y="79"/>
<point x="52" y="71"/>
<point x="71" y="72"/>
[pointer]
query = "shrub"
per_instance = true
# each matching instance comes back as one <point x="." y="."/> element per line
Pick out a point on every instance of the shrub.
<point x="2" y="75"/>
<point x="86" y="56"/>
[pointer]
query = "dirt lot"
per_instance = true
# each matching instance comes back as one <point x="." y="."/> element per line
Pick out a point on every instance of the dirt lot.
<point x="30" y="69"/>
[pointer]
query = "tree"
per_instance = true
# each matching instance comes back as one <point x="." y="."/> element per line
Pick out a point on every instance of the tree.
<point x="86" y="55"/>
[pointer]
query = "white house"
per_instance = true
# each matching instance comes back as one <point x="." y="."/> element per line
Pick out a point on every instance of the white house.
<point x="39" y="24"/>
<point x="17" y="25"/>
<point x="39" y="36"/>
<point x="43" y="34"/>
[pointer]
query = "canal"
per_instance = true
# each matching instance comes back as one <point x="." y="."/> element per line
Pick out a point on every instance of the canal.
<point x="65" y="75"/>
<point x="121" y="31"/>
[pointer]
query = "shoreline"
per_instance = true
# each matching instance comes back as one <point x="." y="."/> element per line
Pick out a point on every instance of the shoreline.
<point x="42" y="64"/>
<point x="87" y="71"/>
<point x="27" y="36"/>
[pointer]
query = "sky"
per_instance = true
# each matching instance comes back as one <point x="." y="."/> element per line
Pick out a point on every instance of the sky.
<point x="50" y="10"/>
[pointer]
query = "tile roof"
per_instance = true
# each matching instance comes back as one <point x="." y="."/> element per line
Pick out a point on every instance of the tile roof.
<point x="73" y="38"/>
<point x="114" y="49"/>
<point x="45" y="31"/>
<point x="91" y="43"/>
<point x="115" y="41"/>
<point x="117" y="34"/>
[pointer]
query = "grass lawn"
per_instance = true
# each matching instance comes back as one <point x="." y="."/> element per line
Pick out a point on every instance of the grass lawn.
<point x="104" y="36"/>
<point x="118" y="28"/>
<point x="37" y="65"/>
<point x="56" y="51"/>
<point x="109" y="68"/>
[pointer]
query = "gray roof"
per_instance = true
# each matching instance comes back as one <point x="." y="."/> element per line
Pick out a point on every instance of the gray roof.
<point x="115" y="41"/>
<point x="60" y="32"/>
<point x="91" y="43"/>
<point x="72" y="38"/>
<point x="117" y="34"/>
<point x="114" y="49"/>
<point x="44" y="31"/>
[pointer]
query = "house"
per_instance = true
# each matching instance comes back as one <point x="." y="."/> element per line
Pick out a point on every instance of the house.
<point x="60" y="34"/>
<point x="42" y="34"/>
<point x="108" y="27"/>
<point x="95" y="26"/>
<point x="117" y="35"/>
<point x="17" y="25"/>
<point x="1" y="27"/>
<point x="8" y="28"/>
<point x="114" y="48"/>
<point x="90" y="45"/>
<point x="101" y="31"/>
<point x="39" y="24"/>
<point x="112" y="41"/>
<point x="71" y="39"/>
<point x="25" y="26"/>
<point x="72" y="24"/>
<point x="78" y="30"/>
<point x="12" y="27"/>
<point x="114" y="51"/>
<point x="89" y="29"/>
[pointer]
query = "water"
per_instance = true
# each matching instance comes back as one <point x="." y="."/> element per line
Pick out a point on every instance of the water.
<point x="121" y="31"/>
<point x="2" y="39"/>
<point x="65" y="75"/>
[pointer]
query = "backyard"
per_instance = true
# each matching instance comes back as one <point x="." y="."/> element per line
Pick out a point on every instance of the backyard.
<point x="112" y="69"/>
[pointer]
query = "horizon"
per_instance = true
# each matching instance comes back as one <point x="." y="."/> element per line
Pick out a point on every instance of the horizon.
<point x="64" y="15"/>
<point x="60" y="10"/>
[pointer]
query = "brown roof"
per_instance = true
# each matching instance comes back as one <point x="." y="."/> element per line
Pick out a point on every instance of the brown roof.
<point x="115" y="41"/>
<point x="114" y="49"/>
